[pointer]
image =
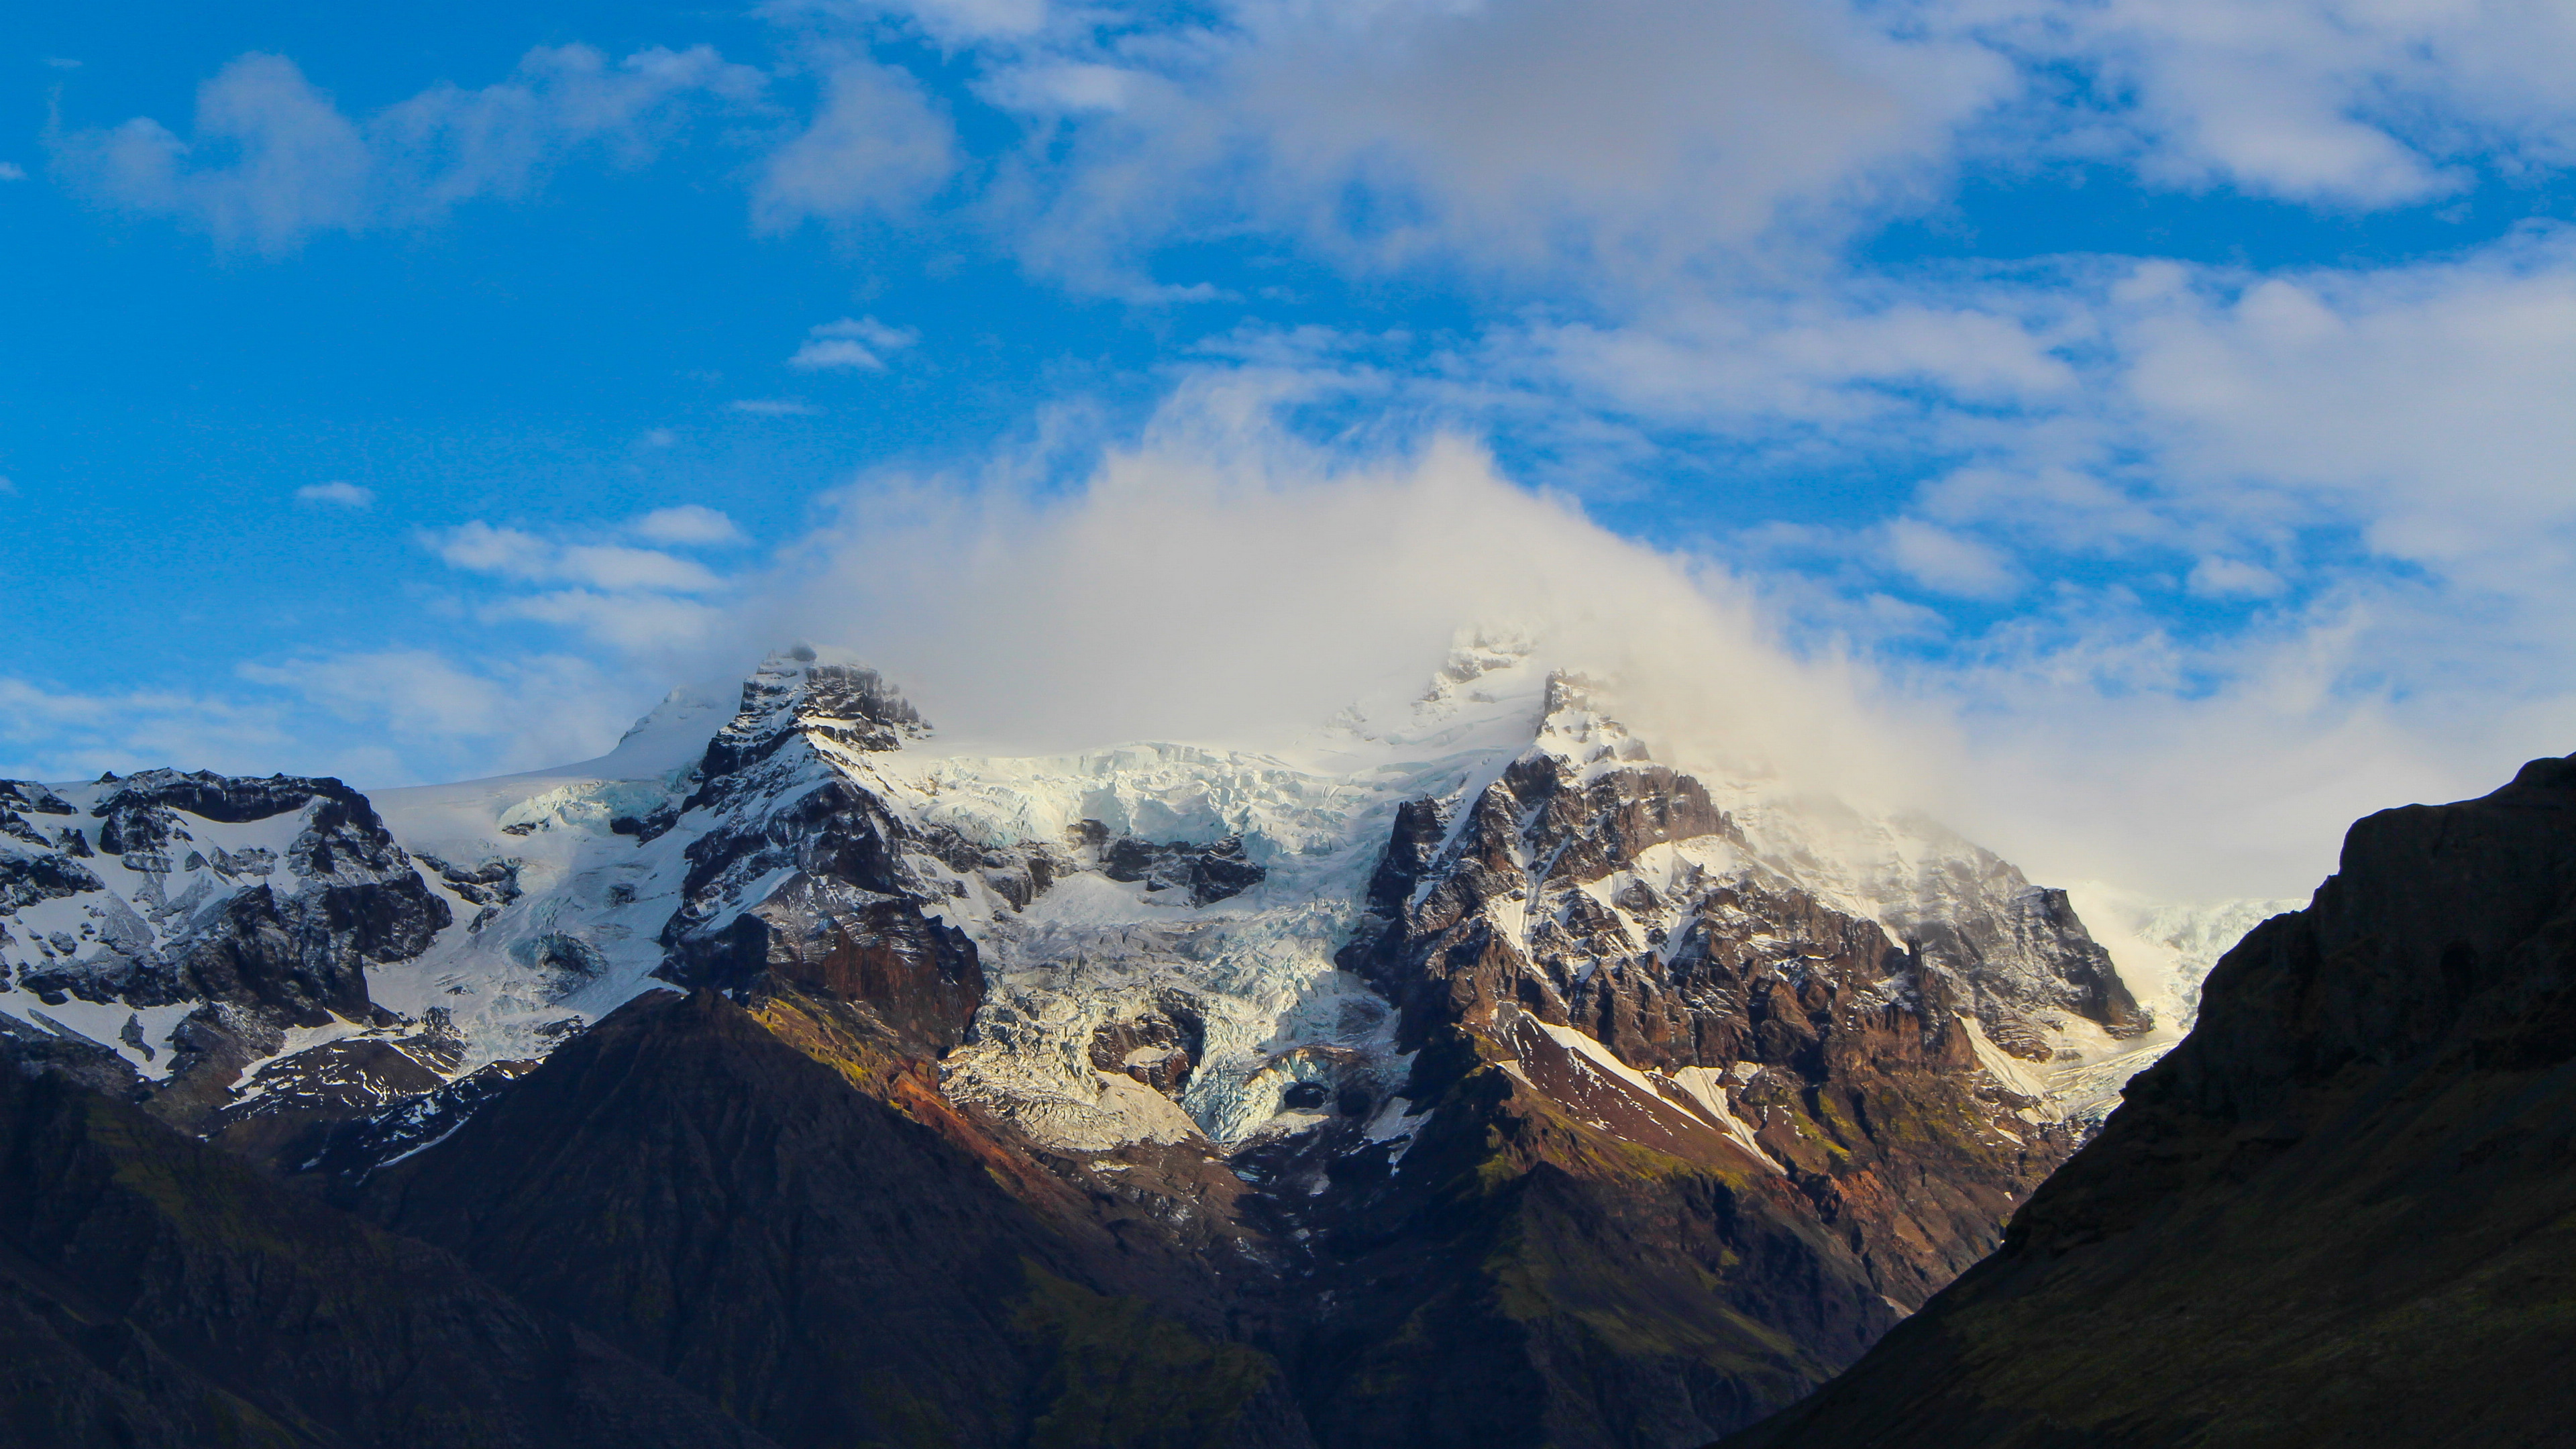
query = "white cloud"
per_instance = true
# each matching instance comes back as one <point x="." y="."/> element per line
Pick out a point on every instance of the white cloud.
<point x="53" y="733"/>
<point x="877" y="148"/>
<point x="427" y="716"/>
<point x="859" y="343"/>
<point x="1620" y="147"/>
<point x="12" y="171"/>
<point x="616" y="567"/>
<point x="272" y="158"/>
<point x="1256" y="589"/>
<point x="774" y="407"/>
<point x="523" y="557"/>
<point x="415" y="691"/>
<point x="2425" y="404"/>
<point x="1257" y="586"/>
<point x="2367" y="102"/>
<point x="1813" y="356"/>
<point x="643" y="603"/>
<point x="2226" y="578"/>
<point x="653" y="625"/>
<point x="1948" y="563"/>
<point x="487" y="550"/>
<point x="687" y="525"/>
<point x="337" y="492"/>
<point x="1603" y="143"/>
<point x="1061" y="87"/>
<point x="961" y="21"/>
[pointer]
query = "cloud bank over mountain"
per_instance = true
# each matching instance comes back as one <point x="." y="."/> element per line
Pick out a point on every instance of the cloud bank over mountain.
<point x="2120" y="427"/>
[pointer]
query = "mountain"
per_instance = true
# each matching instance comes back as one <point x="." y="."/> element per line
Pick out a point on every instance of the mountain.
<point x="723" y="1206"/>
<point x="2343" y="1211"/>
<point x="1453" y="1072"/>
<point x="214" y="930"/>
<point x="158" y="1293"/>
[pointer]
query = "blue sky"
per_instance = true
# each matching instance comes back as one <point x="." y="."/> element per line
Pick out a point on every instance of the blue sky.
<point x="2165" y="402"/>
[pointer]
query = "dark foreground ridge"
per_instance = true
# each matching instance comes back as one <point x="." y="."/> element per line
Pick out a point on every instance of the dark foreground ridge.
<point x="2342" y="1212"/>
<point x="159" y="1293"/>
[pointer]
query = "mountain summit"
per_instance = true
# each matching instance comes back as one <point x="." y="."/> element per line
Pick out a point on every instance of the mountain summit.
<point x="1458" y="1074"/>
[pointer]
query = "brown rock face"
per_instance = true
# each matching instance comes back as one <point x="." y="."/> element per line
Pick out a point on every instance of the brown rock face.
<point x="847" y="922"/>
<point x="2338" y="1213"/>
<point x="1697" y="1136"/>
<point x="1159" y="1047"/>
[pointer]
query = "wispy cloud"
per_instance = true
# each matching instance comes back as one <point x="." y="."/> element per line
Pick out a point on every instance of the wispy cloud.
<point x="860" y="343"/>
<point x="338" y="493"/>
<point x="687" y="525"/>
<point x="434" y="716"/>
<point x="272" y="158"/>
<point x="1601" y="147"/>
<point x="774" y="407"/>
<point x="512" y="554"/>
<point x="636" y="623"/>
<point x="55" y="733"/>
<point x="878" y="147"/>
<point x="629" y="599"/>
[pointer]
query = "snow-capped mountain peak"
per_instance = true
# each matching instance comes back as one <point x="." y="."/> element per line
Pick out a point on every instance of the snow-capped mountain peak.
<point x="1025" y="915"/>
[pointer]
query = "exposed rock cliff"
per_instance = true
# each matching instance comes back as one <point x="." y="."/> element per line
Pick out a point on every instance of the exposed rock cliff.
<point x="233" y="916"/>
<point x="2342" y="1211"/>
<point x="1690" y="1137"/>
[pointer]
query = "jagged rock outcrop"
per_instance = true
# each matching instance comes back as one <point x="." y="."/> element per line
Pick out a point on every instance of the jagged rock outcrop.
<point x="235" y="927"/>
<point x="1159" y="1046"/>
<point x="1206" y="873"/>
<point x="257" y="905"/>
<point x="156" y="1293"/>
<point x="806" y="881"/>
<point x="1648" y="1060"/>
<point x="1556" y="844"/>
<point x="2339" y="1212"/>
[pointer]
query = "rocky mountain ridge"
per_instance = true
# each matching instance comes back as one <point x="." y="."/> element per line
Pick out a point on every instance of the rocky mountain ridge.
<point x="1464" y="1044"/>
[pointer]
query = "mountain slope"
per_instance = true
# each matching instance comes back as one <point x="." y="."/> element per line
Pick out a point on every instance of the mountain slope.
<point x="1502" y="1083"/>
<point x="725" y="1207"/>
<point x="2342" y="1211"/>
<point x="1689" y="1136"/>
<point x="159" y="1294"/>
